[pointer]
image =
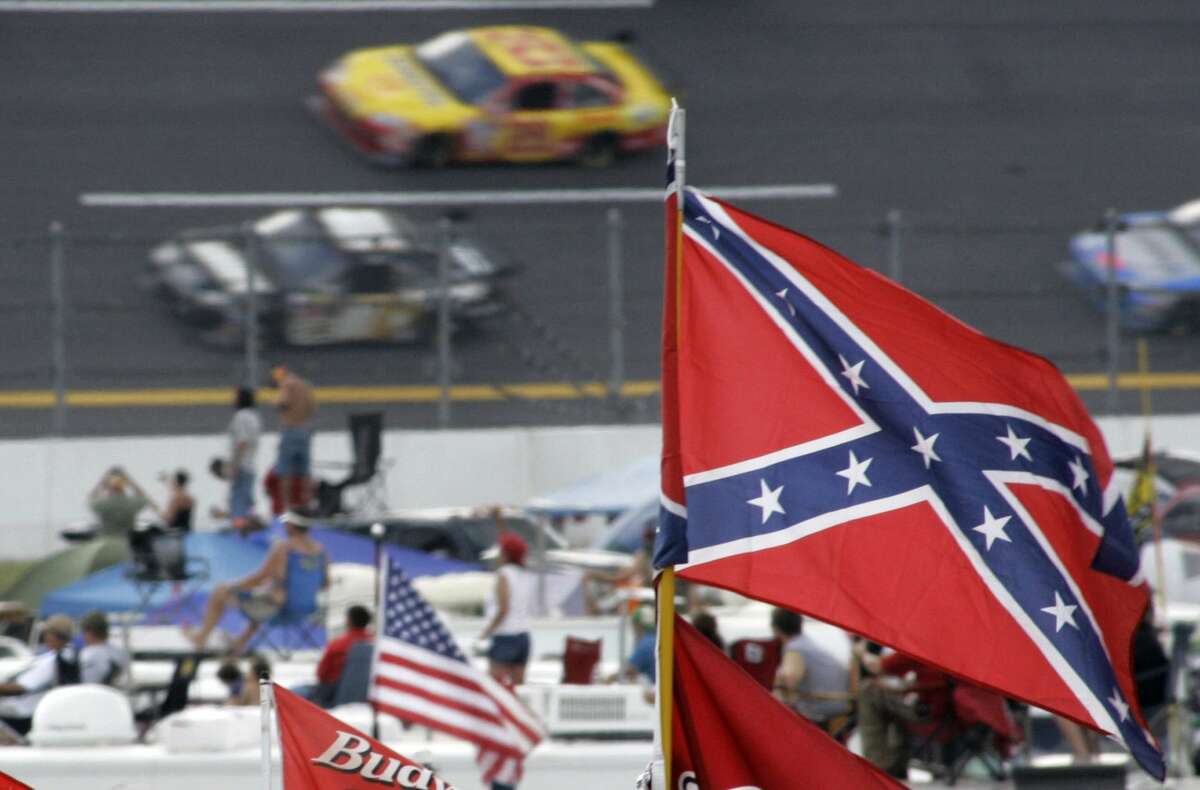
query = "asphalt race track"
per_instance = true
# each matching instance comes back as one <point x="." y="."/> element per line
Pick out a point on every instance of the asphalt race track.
<point x="997" y="130"/>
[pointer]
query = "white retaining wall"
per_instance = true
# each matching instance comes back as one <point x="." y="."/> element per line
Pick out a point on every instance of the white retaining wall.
<point x="43" y="483"/>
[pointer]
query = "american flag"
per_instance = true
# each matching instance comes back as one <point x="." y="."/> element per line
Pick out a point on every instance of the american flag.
<point x="834" y="444"/>
<point x="421" y="676"/>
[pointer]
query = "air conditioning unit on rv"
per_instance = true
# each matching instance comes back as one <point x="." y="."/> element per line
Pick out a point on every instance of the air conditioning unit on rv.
<point x="87" y="715"/>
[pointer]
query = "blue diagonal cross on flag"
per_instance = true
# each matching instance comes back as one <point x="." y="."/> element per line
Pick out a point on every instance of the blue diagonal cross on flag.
<point x="835" y="444"/>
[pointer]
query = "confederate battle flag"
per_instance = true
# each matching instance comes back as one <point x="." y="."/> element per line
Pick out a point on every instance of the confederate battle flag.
<point x="834" y="444"/>
<point x="323" y="753"/>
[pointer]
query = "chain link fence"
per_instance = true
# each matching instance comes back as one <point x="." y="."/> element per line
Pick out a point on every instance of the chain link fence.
<point x="507" y="315"/>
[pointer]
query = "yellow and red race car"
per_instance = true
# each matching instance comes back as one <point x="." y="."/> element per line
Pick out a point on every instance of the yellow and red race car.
<point x="508" y="93"/>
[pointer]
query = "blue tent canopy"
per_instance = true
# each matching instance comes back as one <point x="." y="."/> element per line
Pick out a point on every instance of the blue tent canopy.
<point x="112" y="590"/>
<point x="608" y="494"/>
<point x="227" y="558"/>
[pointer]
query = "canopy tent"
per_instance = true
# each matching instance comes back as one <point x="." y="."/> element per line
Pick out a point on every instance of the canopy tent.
<point x="609" y="494"/>
<point x="626" y="533"/>
<point x="61" y="568"/>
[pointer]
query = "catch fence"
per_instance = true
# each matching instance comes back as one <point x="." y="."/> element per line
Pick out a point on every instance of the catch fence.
<point x="98" y="341"/>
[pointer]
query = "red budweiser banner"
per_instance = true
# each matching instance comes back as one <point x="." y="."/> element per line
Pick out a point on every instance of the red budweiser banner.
<point x="8" y="783"/>
<point x="323" y="753"/>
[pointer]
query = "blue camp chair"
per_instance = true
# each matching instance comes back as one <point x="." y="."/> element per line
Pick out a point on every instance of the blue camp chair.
<point x="355" y="682"/>
<point x="300" y="612"/>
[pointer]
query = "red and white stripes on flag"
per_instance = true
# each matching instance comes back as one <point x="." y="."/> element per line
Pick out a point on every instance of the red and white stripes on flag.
<point x="420" y="676"/>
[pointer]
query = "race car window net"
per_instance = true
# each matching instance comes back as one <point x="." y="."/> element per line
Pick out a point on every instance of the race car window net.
<point x="301" y="253"/>
<point x="459" y="65"/>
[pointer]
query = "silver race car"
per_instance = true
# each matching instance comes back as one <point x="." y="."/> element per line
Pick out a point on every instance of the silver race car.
<point x="324" y="276"/>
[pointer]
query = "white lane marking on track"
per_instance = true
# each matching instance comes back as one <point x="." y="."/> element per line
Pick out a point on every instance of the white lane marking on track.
<point x="302" y="6"/>
<point x="499" y="197"/>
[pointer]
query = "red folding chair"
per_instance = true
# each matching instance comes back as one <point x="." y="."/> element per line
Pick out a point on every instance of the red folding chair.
<point x="759" y="657"/>
<point x="579" y="660"/>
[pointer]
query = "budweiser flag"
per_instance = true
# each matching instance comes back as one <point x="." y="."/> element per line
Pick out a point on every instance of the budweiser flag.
<point x="9" y="783"/>
<point x="836" y="445"/>
<point x="421" y="676"/>
<point x="323" y="753"/>
<point x="730" y="732"/>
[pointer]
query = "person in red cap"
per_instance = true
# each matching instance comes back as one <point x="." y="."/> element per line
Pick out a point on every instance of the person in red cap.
<point x="510" y="612"/>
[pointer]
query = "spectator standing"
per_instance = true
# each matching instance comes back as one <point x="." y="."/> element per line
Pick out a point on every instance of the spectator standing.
<point x="297" y="407"/>
<point x="56" y="666"/>
<point x="116" y="500"/>
<point x="810" y="679"/>
<point x="99" y="662"/>
<point x="244" y="431"/>
<point x="510" y="612"/>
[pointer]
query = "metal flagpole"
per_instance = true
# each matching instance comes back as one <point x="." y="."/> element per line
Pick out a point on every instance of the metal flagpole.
<point x="666" y="579"/>
<point x="1112" y="307"/>
<point x="377" y="532"/>
<point x="266" y="704"/>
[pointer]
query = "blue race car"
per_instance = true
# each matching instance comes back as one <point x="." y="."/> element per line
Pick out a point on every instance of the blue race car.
<point x="1157" y="268"/>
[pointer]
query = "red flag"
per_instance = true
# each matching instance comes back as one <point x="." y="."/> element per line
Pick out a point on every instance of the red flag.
<point x="730" y="732"/>
<point x="850" y="451"/>
<point x="323" y="753"/>
<point x="9" y="783"/>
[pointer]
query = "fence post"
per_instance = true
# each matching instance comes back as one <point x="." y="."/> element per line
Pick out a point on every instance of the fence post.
<point x="58" y="327"/>
<point x="1112" y="306"/>
<point x="895" y="263"/>
<point x="443" y="322"/>
<point x="250" y="324"/>
<point x="616" y="306"/>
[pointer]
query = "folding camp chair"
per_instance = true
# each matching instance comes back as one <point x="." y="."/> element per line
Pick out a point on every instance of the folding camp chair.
<point x="580" y="657"/>
<point x="759" y="657"/>
<point x="978" y="725"/>
<point x="300" y="614"/>
<point x="367" y="470"/>
<point x="355" y="681"/>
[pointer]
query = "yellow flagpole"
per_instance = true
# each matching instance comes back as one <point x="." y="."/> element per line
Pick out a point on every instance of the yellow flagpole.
<point x="1143" y="352"/>
<point x="666" y="579"/>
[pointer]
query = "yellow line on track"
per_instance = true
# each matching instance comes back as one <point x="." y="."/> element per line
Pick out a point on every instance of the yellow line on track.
<point x="546" y="390"/>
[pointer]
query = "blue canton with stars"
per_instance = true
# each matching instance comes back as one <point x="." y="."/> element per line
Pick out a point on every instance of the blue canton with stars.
<point x="409" y="618"/>
<point x="950" y="454"/>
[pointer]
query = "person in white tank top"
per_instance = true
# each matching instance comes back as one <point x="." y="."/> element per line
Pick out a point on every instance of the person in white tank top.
<point x="510" y="612"/>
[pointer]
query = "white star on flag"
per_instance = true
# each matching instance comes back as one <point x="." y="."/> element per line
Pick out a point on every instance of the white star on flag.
<point x="783" y="295"/>
<point x="993" y="528"/>
<point x="716" y="231"/>
<point x="768" y="500"/>
<point x="924" y="446"/>
<point x="1016" y="444"/>
<point x="1079" y="475"/>
<point x="1119" y="705"/>
<point x="1064" y="613"/>
<point x="854" y="374"/>
<point x="856" y="472"/>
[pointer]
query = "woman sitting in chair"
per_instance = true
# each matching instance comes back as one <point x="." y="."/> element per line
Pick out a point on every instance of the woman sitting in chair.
<point x="265" y="590"/>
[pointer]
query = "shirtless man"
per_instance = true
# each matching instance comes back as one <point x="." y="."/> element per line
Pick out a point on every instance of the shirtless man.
<point x="297" y="406"/>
